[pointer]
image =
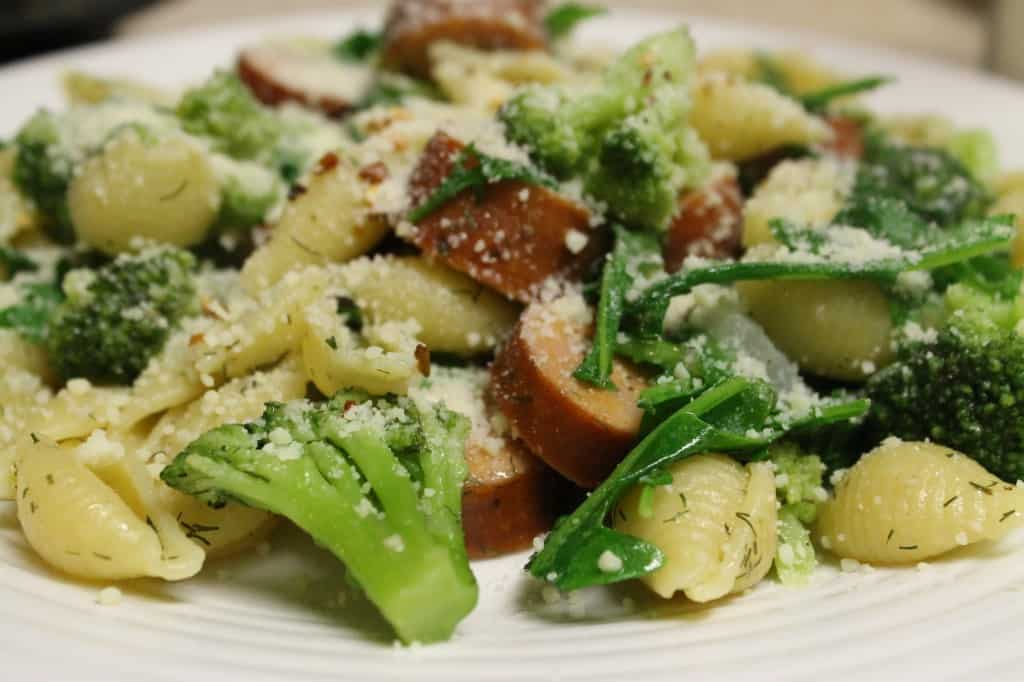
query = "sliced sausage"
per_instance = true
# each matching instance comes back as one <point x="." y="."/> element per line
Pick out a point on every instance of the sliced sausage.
<point x="509" y="498"/>
<point x="289" y="71"/>
<point x="579" y="430"/>
<point x="508" y="235"/>
<point x="412" y="25"/>
<point x="847" y="139"/>
<point x="709" y="224"/>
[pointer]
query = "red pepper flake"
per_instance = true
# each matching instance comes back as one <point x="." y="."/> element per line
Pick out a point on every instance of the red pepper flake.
<point x="327" y="162"/>
<point x="422" y="354"/>
<point x="375" y="173"/>
<point x="196" y="339"/>
<point x="349" y="404"/>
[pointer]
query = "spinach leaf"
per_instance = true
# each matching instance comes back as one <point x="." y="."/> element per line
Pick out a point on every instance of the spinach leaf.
<point x="570" y="555"/>
<point x="992" y="274"/>
<point x="30" y="316"/>
<point x="562" y="20"/>
<point x="616" y="281"/>
<point x="931" y="182"/>
<point x="888" y="218"/>
<point x="818" y="100"/>
<point x="14" y="261"/>
<point x="357" y="46"/>
<point x="771" y="74"/>
<point x="969" y="240"/>
<point x="475" y="170"/>
<point x="393" y="88"/>
<point x="717" y="420"/>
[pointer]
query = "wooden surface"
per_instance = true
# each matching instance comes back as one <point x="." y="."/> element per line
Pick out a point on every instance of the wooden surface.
<point x="945" y="29"/>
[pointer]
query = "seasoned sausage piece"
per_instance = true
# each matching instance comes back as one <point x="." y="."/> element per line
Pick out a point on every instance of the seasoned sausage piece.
<point x="709" y="224"/>
<point x="509" y="235"/>
<point x="509" y="498"/>
<point x="412" y="25"/>
<point x="579" y="430"/>
<point x="305" y="73"/>
<point x="847" y="139"/>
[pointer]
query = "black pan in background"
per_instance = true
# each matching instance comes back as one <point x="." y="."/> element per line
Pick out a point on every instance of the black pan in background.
<point x="29" y="27"/>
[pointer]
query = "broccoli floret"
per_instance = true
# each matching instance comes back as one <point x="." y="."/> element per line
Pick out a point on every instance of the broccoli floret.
<point x="115" y="318"/>
<point x="286" y="141"/>
<point x="376" y="482"/>
<point x="223" y="111"/>
<point x="799" y="489"/>
<point x="43" y="178"/>
<point x="249" y="192"/>
<point x="964" y="389"/>
<point x="627" y="138"/>
<point x="51" y="146"/>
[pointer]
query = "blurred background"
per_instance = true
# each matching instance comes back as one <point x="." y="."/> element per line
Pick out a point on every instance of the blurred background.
<point x="980" y="33"/>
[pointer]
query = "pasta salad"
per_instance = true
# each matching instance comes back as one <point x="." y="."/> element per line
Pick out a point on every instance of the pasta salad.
<point x="455" y="287"/>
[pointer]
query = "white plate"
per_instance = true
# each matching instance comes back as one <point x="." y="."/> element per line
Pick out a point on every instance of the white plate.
<point x="264" y="618"/>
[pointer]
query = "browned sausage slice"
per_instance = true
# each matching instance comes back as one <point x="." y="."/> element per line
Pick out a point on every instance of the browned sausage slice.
<point x="579" y="430"/>
<point x="292" y="71"/>
<point x="412" y="25"/>
<point x="509" y="498"/>
<point x="847" y="139"/>
<point x="509" y="236"/>
<point x="709" y="224"/>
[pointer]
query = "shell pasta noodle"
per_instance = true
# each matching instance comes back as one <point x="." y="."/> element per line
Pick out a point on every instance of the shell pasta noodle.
<point x="454" y="313"/>
<point x="164" y="189"/>
<point x="740" y="120"/>
<point x="461" y="285"/>
<point x="327" y="223"/>
<point x="715" y="521"/>
<point x="908" y="501"/>
<point x="808" y="191"/>
<point x="102" y="523"/>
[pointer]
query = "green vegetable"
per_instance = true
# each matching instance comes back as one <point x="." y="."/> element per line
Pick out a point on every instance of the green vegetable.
<point x="13" y="261"/>
<point x="819" y="100"/>
<point x="798" y="479"/>
<point x="357" y="46"/>
<point x="248" y="193"/>
<point x="795" y="559"/>
<point x="224" y="112"/>
<point x="971" y="239"/>
<point x="616" y="281"/>
<point x="376" y="482"/>
<point x="965" y="390"/>
<point x="718" y="420"/>
<point x="41" y="176"/>
<point x="769" y="73"/>
<point x="705" y="361"/>
<point x="117" y="317"/>
<point x="390" y="88"/>
<point x="562" y="19"/>
<point x="889" y="219"/>
<point x="977" y="151"/>
<point x="473" y="169"/>
<point x="30" y="316"/>
<point x="931" y="182"/>
<point x="627" y="137"/>
<point x="816" y="101"/>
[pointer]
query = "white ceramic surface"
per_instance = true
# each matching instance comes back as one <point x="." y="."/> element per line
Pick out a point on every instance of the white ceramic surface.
<point x="276" y="616"/>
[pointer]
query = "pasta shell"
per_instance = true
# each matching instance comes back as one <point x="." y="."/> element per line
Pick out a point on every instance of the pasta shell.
<point x="905" y="501"/>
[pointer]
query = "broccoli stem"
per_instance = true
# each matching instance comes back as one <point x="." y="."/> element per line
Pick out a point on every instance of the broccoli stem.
<point x="343" y="483"/>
